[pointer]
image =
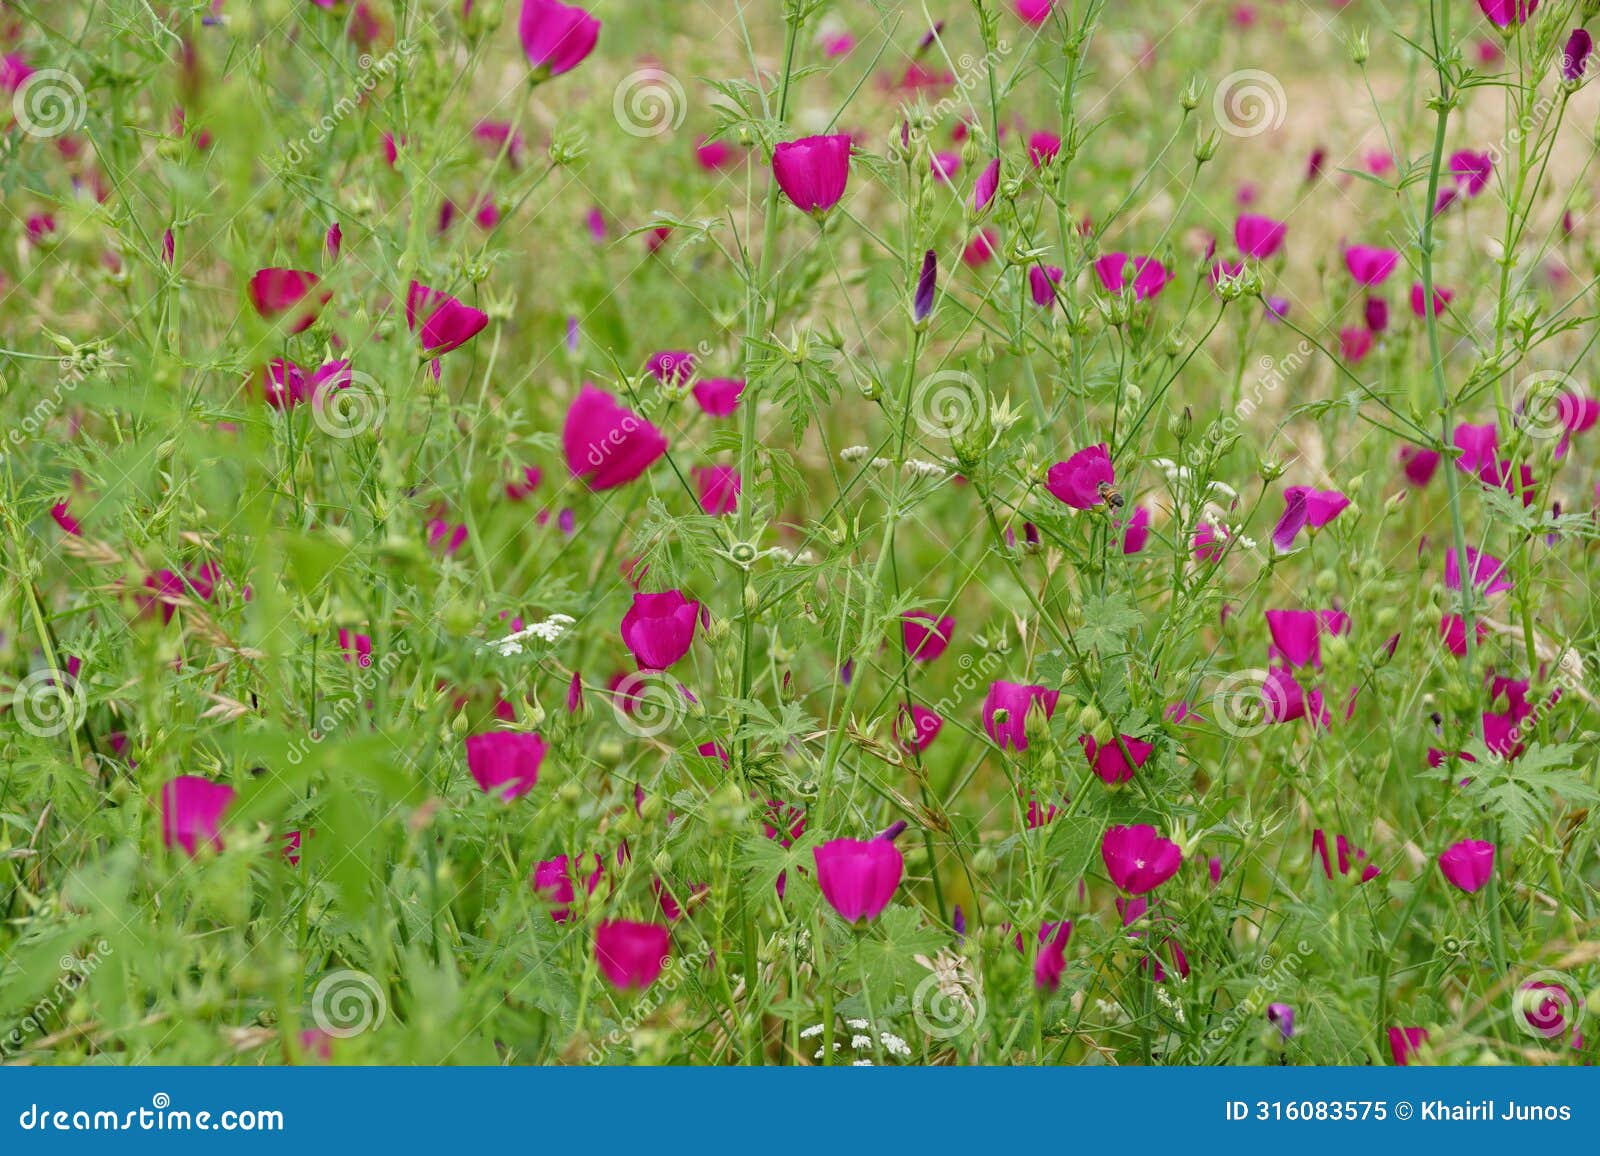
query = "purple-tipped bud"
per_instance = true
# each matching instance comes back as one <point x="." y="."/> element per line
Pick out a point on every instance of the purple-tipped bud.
<point x="1575" y="56"/>
<point x="922" y="304"/>
<point x="1282" y="1015"/>
<point x="892" y="832"/>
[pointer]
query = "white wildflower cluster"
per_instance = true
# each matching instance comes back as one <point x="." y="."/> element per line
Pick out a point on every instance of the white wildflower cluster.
<point x="1169" y="1003"/>
<point x="548" y="631"/>
<point x="920" y="469"/>
<point x="912" y="468"/>
<point x="861" y="1040"/>
<point x="789" y="557"/>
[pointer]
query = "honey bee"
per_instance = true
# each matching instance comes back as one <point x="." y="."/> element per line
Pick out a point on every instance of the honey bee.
<point x="1110" y="494"/>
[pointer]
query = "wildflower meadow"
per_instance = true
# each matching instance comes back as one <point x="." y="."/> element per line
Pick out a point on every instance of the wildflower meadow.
<point x="799" y="532"/>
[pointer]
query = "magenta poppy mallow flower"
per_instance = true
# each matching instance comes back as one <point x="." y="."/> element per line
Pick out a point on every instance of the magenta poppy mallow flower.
<point x="1042" y="282"/>
<point x="607" y="444"/>
<point x="658" y="629"/>
<point x="1084" y="480"/>
<point x="1108" y="761"/>
<point x="556" y="37"/>
<point x="915" y="728"/>
<point x="1575" y="56"/>
<point x="1405" y="1043"/>
<point x="1034" y="12"/>
<point x="1138" y="859"/>
<point x="718" y="487"/>
<point x="441" y="322"/>
<point x="1305" y="508"/>
<point x="1508" y="13"/>
<point x="1135" y="530"/>
<point x="1468" y="864"/>
<point x="631" y="955"/>
<point x="926" y="635"/>
<point x="1297" y="634"/>
<point x="1149" y="276"/>
<point x="858" y="877"/>
<point x="1006" y="709"/>
<point x="813" y="171"/>
<point x="1258" y="237"/>
<point x="505" y="763"/>
<point x="1441" y="299"/>
<point x="1051" y="961"/>
<point x="1345" y="858"/>
<point x="191" y="813"/>
<point x="988" y="184"/>
<point x="276" y="292"/>
<point x="718" y="396"/>
<point x="1370" y="265"/>
<point x="1488" y="572"/>
<point x="552" y="881"/>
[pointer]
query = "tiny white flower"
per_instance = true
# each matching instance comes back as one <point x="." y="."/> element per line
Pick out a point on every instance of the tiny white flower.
<point x="811" y="1032"/>
<point x="860" y="1043"/>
